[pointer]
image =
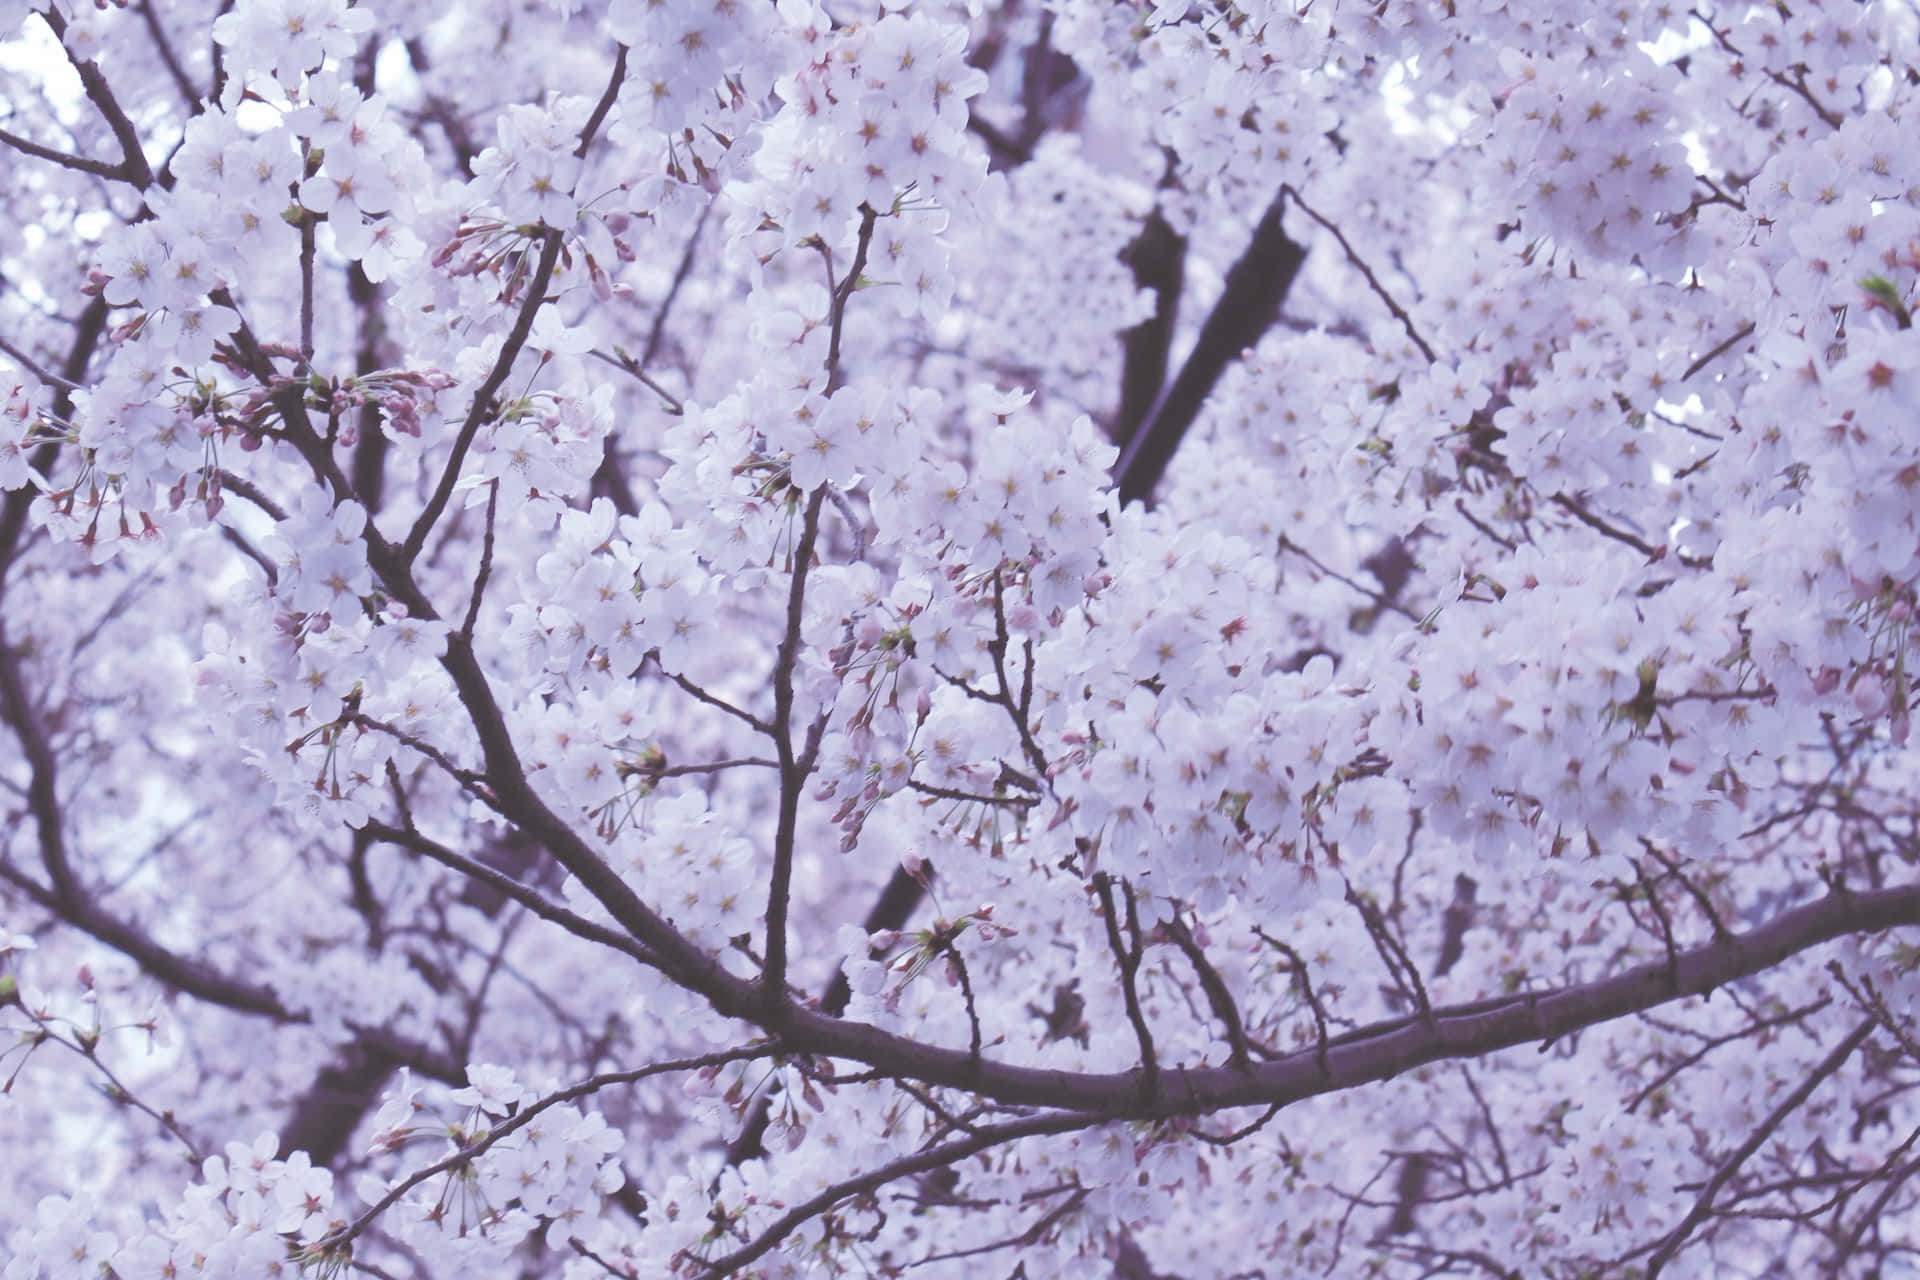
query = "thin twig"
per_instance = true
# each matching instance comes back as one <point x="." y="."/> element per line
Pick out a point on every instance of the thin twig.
<point x="1741" y="334"/>
<point x="1755" y="1028"/>
<point x="188" y="94"/>
<point x="81" y="164"/>
<point x="516" y="341"/>
<point x="1586" y="517"/>
<point x="795" y="766"/>
<point x="631" y="367"/>
<point x="1126" y="954"/>
<point x="1380" y="599"/>
<point x="466" y="1155"/>
<point x="720" y="704"/>
<point x="504" y="884"/>
<point x="1660" y="916"/>
<point x="486" y="562"/>
<point x="836" y="314"/>
<point x="26" y="362"/>
<point x="906" y="1166"/>
<point x="1219" y="999"/>
<point x="1755" y="1140"/>
<point x="1379" y="290"/>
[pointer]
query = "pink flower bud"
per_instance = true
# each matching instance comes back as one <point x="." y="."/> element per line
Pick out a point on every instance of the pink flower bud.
<point x="1870" y="697"/>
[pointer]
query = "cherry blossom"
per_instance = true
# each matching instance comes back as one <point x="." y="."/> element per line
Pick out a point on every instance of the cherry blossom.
<point x="817" y="639"/>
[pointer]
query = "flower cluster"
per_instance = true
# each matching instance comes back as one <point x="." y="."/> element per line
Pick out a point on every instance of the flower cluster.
<point x="875" y="122"/>
<point x="1596" y="160"/>
<point x="248" y="1212"/>
<point x="522" y="1165"/>
<point x="624" y="618"/>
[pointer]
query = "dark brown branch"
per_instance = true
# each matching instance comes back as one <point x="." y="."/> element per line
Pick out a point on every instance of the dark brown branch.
<point x="232" y="483"/>
<point x="657" y="329"/>
<point x="1592" y="521"/>
<point x="1454" y="923"/>
<point x="469" y="781"/>
<point x="483" y="407"/>
<point x="1739" y="335"/>
<point x="1659" y="914"/>
<point x="370" y="351"/>
<point x="969" y="797"/>
<point x="1249" y="304"/>
<point x="472" y="619"/>
<point x="1381" y="599"/>
<point x="1384" y="1049"/>
<point x="1158" y="259"/>
<point x="1016" y="708"/>
<point x="1393" y="953"/>
<point x="837" y="309"/>
<point x="1298" y="969"/>
<point x="66" y="160"/>
<point x="1127" y="953"/>
<point x="516" y="340"/>
<point x="610" y="479"/>
<point x="46" y="377"/>
<point x="700" y="695"/>
<point x="795" y="766"/>
<point x="608" y="97"/>
<point x="133" y="167"/>
<point x="1219" y="999"/>
<point x="1694" y="891"/>
<point x="960" y="974"/>
<point x="170" y="59"/>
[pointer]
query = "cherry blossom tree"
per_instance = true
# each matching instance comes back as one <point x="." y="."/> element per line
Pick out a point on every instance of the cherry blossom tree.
<point x="1014" y="639"/>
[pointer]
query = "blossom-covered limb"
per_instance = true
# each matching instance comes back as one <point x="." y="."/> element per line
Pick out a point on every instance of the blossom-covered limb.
<point x="982" y="1139"/>
<point x="1360" y="265"/>
<point x="523" y="1116"/>
<point x="1703" y="1205"/>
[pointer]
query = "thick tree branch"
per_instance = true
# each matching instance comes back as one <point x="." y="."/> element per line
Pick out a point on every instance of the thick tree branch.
<point x="1158" y="259"/>
<point x="1383" y="1050"/>
<point x="1249" y="304"/>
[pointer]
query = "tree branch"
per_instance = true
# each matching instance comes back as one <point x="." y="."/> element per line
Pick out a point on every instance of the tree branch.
<point x="1249" y="304"/>
<point x="933" y="1158"/>
<point x="1755" y="1140"/>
